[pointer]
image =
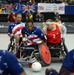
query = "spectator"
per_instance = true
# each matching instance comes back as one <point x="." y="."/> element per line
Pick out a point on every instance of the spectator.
<point x="51" y="1"/>
<point x="59" y="1"/>
<point x="0" y="10"/>
<point x="45" y="1"/>
<point x="39" y="17"/>
<point x="37" y="1"/>
<point x="57" y="17"/>
<point x="9" y="65"/>
<point x="65" y="2"/>
<point x="11" y="16"/>
<point x="24" y="1"/>
<point x="3" y="11"/>
<point x="70" y="2"/>
<point x="29" y="15"/>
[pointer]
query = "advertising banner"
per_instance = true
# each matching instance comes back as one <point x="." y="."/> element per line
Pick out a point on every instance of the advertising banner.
<point x="48" y="7"/>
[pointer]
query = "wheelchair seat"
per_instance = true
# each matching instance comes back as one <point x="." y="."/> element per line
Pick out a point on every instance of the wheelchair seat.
<point x="54" y="50"/>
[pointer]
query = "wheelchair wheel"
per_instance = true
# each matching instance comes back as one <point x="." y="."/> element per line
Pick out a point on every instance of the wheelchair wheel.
<point x="65" y="48"/>
<point x="11" y="46"/>
<point x="64" y="45"/>
<point x="44" y="54"/>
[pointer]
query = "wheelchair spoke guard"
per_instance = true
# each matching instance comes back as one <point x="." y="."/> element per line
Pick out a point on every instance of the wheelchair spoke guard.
<point x="45" y="54"/>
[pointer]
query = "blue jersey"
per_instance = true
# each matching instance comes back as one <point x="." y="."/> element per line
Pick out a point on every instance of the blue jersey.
<point x="9" y="64"/>
<point x="34" y="35"/>
<point x="15" y="28"/>
<point x="68" y="62"/>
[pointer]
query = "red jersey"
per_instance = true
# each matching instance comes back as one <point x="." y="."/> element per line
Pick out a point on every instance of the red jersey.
<point x="54" y="36"/>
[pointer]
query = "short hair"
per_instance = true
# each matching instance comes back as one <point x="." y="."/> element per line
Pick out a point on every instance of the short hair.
<point x="28" y="21"/>
<point x="18" y="14"/>
<point x="49" y="20"/>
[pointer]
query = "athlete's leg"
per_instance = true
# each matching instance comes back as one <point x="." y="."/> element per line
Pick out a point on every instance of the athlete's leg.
<point x="17" y="38"/>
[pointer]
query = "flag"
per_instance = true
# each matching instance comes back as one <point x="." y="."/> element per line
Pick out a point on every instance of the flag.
<point x="17" y="8"/>
<point x="7" y="6"/>
<point x="32" y="8"/>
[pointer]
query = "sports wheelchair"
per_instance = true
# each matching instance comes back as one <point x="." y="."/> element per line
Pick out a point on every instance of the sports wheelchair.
<point x="29" y="54"/>
<point x="58" y="51"/>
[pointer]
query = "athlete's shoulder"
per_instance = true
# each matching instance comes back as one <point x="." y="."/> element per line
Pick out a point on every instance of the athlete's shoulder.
<point x="35" y="27"/>
<point x="25" y="28"/>
<point x="12" y="24"/>
<point x="38" y="30"/>
<point x="71" y="52"/>
<point x="3" y="52"/>
<point x="23" y="23"/>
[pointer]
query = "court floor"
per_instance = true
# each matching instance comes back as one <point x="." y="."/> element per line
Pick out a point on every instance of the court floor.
<point x="69" y="40"/>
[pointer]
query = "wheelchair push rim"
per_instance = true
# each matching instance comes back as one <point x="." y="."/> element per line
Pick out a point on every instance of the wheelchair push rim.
<point x="45" y="54"/>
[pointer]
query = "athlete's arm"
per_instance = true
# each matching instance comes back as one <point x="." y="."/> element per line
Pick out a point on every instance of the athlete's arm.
<point x="63" y="29"/>
<point x="40" y="34"/>
<point x="64" y="71"/>
<point x="9" y="30"/>
<point x="23" y="32"/>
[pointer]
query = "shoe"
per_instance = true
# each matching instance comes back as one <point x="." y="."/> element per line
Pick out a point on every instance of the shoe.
<point x="51" y="72"/>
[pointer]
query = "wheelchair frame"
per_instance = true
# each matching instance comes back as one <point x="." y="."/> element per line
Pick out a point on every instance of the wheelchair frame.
<point x="35" y="56"/>
<point x="59" y="51"/>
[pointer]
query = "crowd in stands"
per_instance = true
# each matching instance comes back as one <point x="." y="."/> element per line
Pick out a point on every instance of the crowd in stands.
<point x="70" y="2"/>
<point x="37" y="1"/>
<point x="38" y="17"/>
<point x="29" y="2"/>
<point x="3" y="10"/>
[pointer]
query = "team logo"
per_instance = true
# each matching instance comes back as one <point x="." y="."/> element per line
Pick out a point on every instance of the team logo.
<point x="16" y="6"/>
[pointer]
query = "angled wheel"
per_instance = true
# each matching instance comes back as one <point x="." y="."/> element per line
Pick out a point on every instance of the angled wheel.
<point x="45" y="54"/>
<point x="11" y="46"/>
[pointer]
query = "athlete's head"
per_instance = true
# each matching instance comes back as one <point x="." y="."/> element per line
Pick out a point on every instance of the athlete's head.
<point x="18" y="17"/>
<point x="49" y="24"/>
<point x="30" y="24"/>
